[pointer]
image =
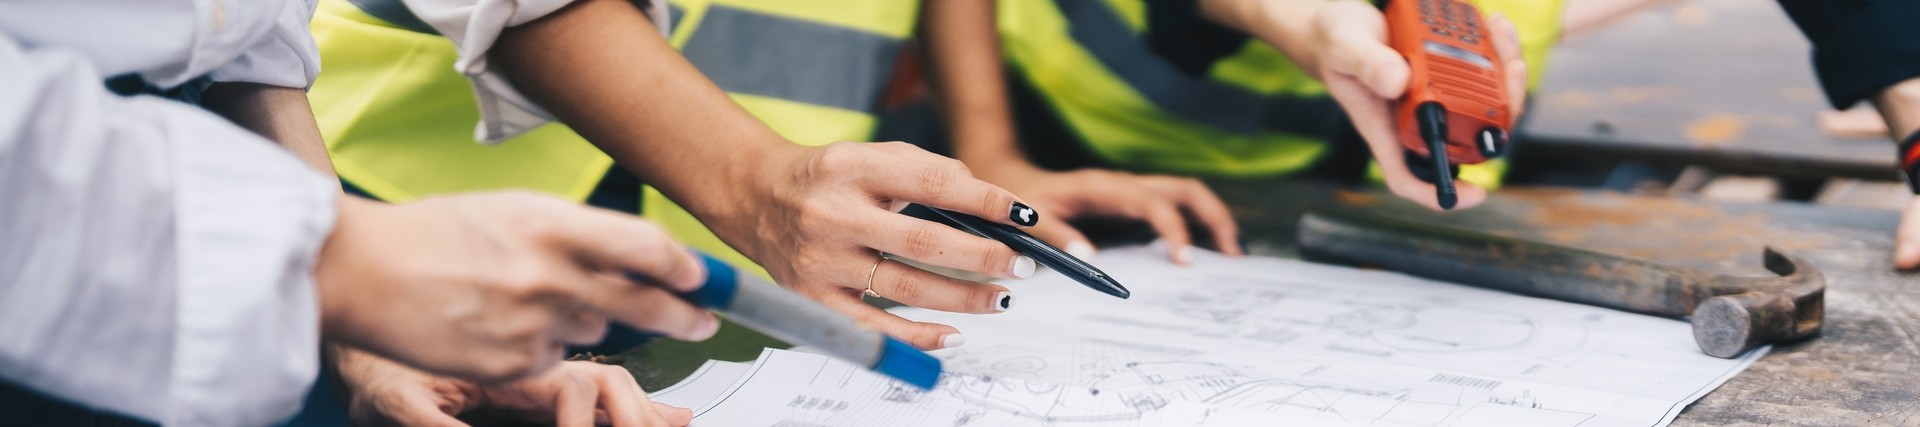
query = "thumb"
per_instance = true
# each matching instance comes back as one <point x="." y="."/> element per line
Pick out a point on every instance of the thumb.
<point x="1059" y="233"/>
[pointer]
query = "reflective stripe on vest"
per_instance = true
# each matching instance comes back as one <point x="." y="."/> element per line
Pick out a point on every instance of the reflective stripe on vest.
<point x="398" y="119"/>
<point x="812" y="70"/>
<point x="755" y="53"/>
<point x="1102" y="31"/>
<point x="1254" y="113"/>
<point x="1087" y="61"/>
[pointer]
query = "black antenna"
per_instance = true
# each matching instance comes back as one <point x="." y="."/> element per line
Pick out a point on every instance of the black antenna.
<point x="1432" y="120"/>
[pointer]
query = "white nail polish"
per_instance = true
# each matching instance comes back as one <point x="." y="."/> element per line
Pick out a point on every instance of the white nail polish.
<point x="1183" y="255"/>
<point x="952" y="340"/>
<point x="1022" y="267"/>
<point x="1082" y="250"/>
<point x="1002" y="301"/>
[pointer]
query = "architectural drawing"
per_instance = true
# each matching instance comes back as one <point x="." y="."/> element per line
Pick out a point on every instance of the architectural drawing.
<point x="1300" y="341"/>
<point x="1260" y="342"/>
<point x="813" y="390"/>
<point x="1290" y="390"/>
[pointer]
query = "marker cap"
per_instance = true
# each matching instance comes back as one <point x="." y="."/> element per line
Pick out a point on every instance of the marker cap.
<point x="907" y="364"/>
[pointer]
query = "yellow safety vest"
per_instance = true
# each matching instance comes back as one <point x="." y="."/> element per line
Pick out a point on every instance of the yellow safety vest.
<point x="1252" y="114"/>
<point x="399" y="120"/>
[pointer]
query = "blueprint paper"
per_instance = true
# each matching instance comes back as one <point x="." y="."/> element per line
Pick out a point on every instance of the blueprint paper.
<point x="796" y="389"/>
<point x="1311" y="343"/>
<point x="1258" y="341"/>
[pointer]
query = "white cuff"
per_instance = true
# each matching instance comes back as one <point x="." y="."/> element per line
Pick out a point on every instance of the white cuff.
<point x="285" y="57"/>
<point x="251" y="220"/>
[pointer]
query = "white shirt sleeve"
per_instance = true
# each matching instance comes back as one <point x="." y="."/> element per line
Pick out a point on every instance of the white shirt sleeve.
<point x="286" y="56"/>
<point x="474" y="25"/>
<point x="155" y="260"/>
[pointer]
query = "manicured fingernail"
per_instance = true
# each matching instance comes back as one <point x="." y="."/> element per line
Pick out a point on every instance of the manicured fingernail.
<point x="1906" y="251"/>
<point x="1081" y="250"/>
<point x="1022" y="267"/>
<point x="1023" y="215"/>
<point x="952" y="340"/>
<point x="1002" y="301"/>
<point x="1183" y="255"/>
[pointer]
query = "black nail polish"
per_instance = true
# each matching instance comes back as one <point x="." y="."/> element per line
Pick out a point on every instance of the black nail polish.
<point x="1023" y="215"/>
<point x="1006" y="302"/>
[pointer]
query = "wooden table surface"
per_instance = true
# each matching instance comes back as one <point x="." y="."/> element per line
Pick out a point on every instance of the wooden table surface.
<point x="1726" y="84"/>
<point x="1863" y="370"/>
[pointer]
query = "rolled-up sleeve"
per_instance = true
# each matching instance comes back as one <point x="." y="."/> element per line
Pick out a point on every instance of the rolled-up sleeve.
<point x="154" y="260"/>
<point x="286" y="56"/>
<point x="474" y="25"/>
<point x="1859" y="46"/>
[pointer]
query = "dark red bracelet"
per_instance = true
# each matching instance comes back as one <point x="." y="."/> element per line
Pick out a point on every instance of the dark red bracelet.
<point x="1910" y="160"/>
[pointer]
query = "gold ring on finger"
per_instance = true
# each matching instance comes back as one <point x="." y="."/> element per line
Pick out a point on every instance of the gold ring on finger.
<point x="870" y="272"/>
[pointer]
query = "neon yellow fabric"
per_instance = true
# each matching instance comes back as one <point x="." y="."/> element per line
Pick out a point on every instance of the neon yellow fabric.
<point x="399" y="120"/>
<point x="1125" y="128"/>
<point x="1539" y="24"/>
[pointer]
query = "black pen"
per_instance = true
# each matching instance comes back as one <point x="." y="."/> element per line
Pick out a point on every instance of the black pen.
<point x="1025" y="244"/>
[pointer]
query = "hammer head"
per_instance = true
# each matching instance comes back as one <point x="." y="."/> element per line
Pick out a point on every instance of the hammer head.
<point x="1747" y="311"/>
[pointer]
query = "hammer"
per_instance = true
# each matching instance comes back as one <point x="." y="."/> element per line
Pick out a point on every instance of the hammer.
<point x="1730" y="314"/>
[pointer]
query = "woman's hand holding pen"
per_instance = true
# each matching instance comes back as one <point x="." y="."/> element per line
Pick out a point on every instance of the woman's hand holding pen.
<point x="493" y="285"/>
<point x="818" y="219"/>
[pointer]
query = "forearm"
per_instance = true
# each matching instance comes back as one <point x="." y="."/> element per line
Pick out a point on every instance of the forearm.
<point x="1899" y="105"/>
<point x="280" y="114"/>
<point x="964" y="52"/>
<point x="599" y="66"/>
<point x="1288" y="25"/>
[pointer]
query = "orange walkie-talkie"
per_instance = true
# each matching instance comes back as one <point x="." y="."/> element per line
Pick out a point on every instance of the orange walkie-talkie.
<point x="1455" y="110"/>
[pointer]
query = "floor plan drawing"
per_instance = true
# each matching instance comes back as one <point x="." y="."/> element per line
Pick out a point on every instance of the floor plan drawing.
<point x="1260" y="342"/>
<point x="813" y="390"/>
<point x="1304" y="341"/>
<point x="1296" y="389"/>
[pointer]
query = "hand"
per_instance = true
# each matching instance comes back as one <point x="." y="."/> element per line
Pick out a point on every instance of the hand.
<point x="1164" y="202"/>
<point x="1906" y="249"/>
<point x="489" y="287"/>
<point x="1365" y="75"/>
<point x="818" y="218"/>
<point x="382" y="393"/>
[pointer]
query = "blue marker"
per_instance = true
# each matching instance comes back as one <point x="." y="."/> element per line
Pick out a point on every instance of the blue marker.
<point x="787" y="316"/>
